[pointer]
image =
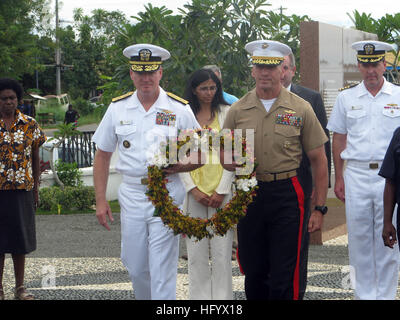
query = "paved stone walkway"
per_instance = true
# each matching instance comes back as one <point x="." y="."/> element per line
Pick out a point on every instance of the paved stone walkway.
<point x="77" y="259"/>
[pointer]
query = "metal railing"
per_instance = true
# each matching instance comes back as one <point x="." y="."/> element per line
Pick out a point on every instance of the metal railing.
<point x="79" y="149"/>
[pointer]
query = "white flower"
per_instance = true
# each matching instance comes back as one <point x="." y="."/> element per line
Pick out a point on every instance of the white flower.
<point x="20" y="175"/>
<point x="241" y="184"/>
<point x="28" y="151"/>
<point x="19" y="137"/>
<point x="7" y="137"/>
<point x="159" y="160"/>
<point x="252" y="182"/>
<point x="36" y="134"/>
<point x="14" y="157"/>
<point x="10" y="175"/>
<point x="246" y="184"/>
<point x="2" y="167"/>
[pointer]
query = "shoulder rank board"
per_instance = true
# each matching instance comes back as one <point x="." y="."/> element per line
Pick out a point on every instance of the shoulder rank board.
<point x="176" y="98"/>
<point x="349" y="86"/>
<point x="126" y="95"/>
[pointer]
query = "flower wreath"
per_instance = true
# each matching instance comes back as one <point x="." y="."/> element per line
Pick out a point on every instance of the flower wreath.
<point x="224" y="218"/>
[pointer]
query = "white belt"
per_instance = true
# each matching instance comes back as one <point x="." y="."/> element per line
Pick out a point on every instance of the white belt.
<point x="373" y="165"/>
<point x="134" y="180"/>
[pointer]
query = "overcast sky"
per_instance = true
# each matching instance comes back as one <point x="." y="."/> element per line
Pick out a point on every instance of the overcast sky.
<point x="332" y="11"/>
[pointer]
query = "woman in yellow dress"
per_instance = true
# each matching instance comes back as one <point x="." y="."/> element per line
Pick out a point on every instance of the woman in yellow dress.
<point x="208" y="188"/>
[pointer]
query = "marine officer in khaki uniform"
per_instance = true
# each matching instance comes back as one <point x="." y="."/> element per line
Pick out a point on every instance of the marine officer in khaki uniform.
<point x="270" y="235"/>
<point x="135" y="123"/>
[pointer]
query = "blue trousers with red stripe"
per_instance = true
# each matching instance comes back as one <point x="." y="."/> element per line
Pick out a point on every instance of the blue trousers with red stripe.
<point x="269" y="241"/>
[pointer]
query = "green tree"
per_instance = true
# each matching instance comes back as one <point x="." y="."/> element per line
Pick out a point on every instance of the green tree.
<point x="85" y="44"/>
<point x="206" y="32"/>
<point x="43" y="55"/>
<point x="18" y="20"/>
<point x="89" y="51"/>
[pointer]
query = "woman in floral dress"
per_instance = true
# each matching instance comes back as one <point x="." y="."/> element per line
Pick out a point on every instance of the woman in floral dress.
<point x="20" y="139"/>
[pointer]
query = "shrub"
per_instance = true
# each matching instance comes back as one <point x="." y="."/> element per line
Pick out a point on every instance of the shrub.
<point x="71" y="198"/>
<point x="67" y="198"/>
<point x="48" y="198"/>
<point x="69" y="173"/>
<point x="83" y="197"/>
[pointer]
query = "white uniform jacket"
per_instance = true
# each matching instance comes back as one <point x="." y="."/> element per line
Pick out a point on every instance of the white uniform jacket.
<point x="138" y="134"/>
<point x="368" y="121"/>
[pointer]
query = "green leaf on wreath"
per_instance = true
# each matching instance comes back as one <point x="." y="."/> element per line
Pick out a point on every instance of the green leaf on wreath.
<point x="157" y="212"/>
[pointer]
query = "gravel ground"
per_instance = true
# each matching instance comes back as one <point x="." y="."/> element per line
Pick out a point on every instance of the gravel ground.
<point x="77" y="259"/>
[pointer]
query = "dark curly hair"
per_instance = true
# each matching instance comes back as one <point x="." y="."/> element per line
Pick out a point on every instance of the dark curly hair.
<point x="11" y="84"/>
<point x="194" y="81"/>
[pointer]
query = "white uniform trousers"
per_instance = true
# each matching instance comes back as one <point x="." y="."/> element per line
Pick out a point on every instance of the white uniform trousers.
<point x="209" y="260"/>
<point x="149" y="250"/>
<point x="374" y="267"/>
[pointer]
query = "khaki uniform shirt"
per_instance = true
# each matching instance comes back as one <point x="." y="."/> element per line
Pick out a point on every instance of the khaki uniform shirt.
<point x="280" y="133"/>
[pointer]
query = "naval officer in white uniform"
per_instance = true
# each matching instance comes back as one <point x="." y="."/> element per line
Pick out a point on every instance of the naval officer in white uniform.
<point x="363" y="120"/>
<point x="134" y="124"/>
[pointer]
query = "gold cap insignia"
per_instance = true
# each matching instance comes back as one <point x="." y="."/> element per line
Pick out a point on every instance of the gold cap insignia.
<point x="145" y="55"/>
<point x="369" y="48"/>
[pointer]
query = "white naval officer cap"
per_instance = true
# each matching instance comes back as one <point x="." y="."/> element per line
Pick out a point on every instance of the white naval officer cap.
<point x="144" y="57"/>
<point x="370" y="51"/>
<point x="267" y="52"/>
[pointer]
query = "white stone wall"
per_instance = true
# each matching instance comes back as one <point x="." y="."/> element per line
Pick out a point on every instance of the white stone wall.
<point x="114" y="179"/>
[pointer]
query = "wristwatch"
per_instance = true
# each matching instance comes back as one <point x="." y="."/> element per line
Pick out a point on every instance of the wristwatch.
<point x="322" y="209"/>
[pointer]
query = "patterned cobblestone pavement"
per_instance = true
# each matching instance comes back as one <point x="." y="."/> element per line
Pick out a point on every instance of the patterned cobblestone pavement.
<point x="78" y="260"/>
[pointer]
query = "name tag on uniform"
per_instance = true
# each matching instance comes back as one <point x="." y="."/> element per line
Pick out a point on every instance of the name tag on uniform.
<point x="125" y="122"/>
<point x="166" y="118"/>
<point x="289" y="119"/>
<point x="356" y="107"/>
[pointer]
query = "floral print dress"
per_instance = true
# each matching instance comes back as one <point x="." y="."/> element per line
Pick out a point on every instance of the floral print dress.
<point x="16" y="147"/>
<point x="17" y="213"/>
